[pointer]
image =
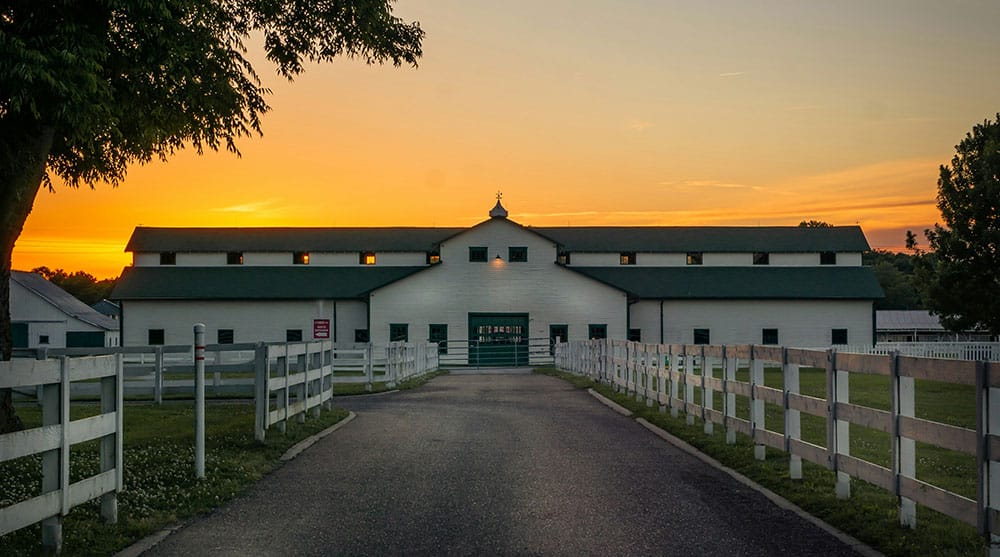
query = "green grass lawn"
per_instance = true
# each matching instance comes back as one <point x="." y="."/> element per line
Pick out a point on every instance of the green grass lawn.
<point x="871" y="514"/>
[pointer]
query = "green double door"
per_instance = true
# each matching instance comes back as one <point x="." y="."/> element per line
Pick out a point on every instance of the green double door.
<point x="498" y="339"/>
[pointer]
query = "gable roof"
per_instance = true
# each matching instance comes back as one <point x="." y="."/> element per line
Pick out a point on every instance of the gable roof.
<point x="149" y="239"/>
<point x="62" y="300"/>
<point x="254" y="283"/>
<point x="907" y="320"/>
<point x="739" y="283"/>
<point x="733" y="239"/>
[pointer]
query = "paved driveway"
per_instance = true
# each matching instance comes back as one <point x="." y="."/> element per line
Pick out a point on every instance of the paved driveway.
<point x="497" y="465"/>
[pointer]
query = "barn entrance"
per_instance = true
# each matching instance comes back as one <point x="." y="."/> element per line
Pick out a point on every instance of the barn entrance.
<point x="498" y="339"/>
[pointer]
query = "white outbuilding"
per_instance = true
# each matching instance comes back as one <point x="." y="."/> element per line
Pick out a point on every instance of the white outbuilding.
<point x="500" y="282"/>
<point x="43" y="315"/>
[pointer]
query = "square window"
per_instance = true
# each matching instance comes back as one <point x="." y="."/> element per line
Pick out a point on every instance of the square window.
<point x="300" y="258"/>
<point x="155" y="337"/>
<point x="399" y="332"/>
<point x="293" y="335"/>
<point x="367" y="258"/>
<point x="225" y="336"/>
<point x="234" y="258"/>
<point x="361" y="335"/>
<point x="168" y="258"/>
<point x="762" y="258"/>
<point x="626" y="258"/>
<point x="597" y="331"/>
<point x="769" y="336"/>
<point x="838" y="336"/>
<point x="438" y="334"/>
<point x="635" y="335"/>
<point x="828" y="258"/>
<point x="433" y="258"/>
<point x="695" y="258"/>
<point x="702" y="336"/>
<point x="43" y="339"/>
<point x="557" y="333"/>
<point x="477" y="254"/>
<point x="563" y="258"/>
<point x="517" y="254"/>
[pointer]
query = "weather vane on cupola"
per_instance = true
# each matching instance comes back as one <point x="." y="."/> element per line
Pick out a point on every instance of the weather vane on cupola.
<point x="498" y="212"/>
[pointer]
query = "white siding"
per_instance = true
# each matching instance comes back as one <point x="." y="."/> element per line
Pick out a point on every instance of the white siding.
<point x="351" y="315"/>
<point x="449" y="291"/>
<point x="794" y="259"/>
<point x="594" y="259"/>
<point x="800" y="323"/>
<point x="142" y="259"/>
<point x="725" y="259"/>
<point x="659" y="259"/>
<point x="400" y="259"/>
<point x="852" y="259"/>
<point x="43" y="318"/>
<point x="331" y="259"/>
<point x="201" y="259"/>
<point x="268" y="258"/>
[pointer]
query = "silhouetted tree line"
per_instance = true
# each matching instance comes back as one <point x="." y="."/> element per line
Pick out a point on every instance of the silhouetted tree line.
<point x="83" y="286"/>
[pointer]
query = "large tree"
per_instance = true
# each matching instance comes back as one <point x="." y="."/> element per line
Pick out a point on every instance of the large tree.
<point x="960" y="278"/>
<point x="89" y="87"/>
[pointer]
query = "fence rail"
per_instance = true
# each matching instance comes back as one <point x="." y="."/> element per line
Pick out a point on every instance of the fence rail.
<point x="984" y="351"/>
<point x="57" y="434"/>
<point x="670" y="374"/>
<point x="472" y="353"/>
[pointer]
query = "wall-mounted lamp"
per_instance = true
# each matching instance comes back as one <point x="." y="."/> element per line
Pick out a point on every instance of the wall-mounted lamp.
<point x="498" y="259"/>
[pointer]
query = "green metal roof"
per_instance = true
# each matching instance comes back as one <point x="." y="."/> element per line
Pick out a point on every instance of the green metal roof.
<point x="732" y="239"/>
<point x="675" y="239"/>
<point x="254" y="283"/>
<point x="742" y="283"/>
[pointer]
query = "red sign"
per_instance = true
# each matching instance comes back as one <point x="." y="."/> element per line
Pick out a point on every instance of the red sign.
<point x="321" y="328"/>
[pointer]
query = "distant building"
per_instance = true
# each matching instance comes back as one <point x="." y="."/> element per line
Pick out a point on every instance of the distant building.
<point x="918" y="326"/>
<point x="109" y="308"/>
<point x="500" y="282"/>
<point x="45" y="316"/>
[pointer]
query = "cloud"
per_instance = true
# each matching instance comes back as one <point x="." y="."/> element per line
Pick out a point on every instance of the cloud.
<point x="255" y="207"/>
<point x="732" y="74"/>
<point x="639" y="125"/>
<point x="700" y="184"/>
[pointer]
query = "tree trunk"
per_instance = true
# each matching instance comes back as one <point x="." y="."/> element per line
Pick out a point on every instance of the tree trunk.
<point x="24" y="148"/>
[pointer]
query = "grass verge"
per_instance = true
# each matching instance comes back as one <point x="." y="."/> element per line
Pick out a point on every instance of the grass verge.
<point x="160" y="487"/>
<point x="870" y="515"/>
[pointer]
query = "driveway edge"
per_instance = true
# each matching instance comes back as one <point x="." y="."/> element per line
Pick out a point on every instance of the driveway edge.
<point x="610" y="403"/>
<point x="304" y="444"/>
<point x="778" y="500"/>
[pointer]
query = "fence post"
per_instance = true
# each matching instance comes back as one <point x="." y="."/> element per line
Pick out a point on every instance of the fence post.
<point x="688" y="374"/>
<point x="110" y="451"/>
<point x="158" y="375"/>
<point x="730" y="364"/>
<point x="707" y="394"/>
<point x="199" y="400"/>
<point x="793" y="419"/>
<point x="369" y="366"/>
<point x="988" y="424"/>
<point x="302" y="390"/>
<point x="756" y="404"/>
<point x="904" y="456"/>
<point x="838" y="433"/>
<point x="675" y="378"/>
<point x="52" y="461"/>
<point x="262" y="391"/>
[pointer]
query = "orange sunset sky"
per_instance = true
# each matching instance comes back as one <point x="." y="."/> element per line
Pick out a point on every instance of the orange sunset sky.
<point x="587" y="112"/>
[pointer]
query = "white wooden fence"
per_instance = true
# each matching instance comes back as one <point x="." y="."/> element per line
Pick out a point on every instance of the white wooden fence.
<point x="293" y="379"/>
<point x="669" y="374"/>
<point x="57" y="434"/>
<point x="985" y="351"/>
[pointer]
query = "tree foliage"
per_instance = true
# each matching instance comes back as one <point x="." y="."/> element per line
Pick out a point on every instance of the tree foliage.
<point x="960" y="278"/>
<point x="88" y="88"/>
<point x="815" y="224"/>
<point x="895" y="274"/>
<point x="83" y="286"/>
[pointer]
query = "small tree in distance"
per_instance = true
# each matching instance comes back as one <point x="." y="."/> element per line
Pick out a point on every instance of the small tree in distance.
<point x="959" y="277"/>
<point x="814" y="224"/>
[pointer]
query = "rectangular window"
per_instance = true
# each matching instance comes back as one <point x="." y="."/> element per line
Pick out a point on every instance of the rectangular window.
<point x="361" y="336"/>
<point x="43" y="339"/>
<point x="597" y="331"/>
<point x="828" y="258"/>
<point x="300" y="258"/>
<point x="477" y="254"/>
<point x="438" y="334"/>
<point x="155" y="337"/>
<point x="225" y="336"/>
<point x="517" y="254"/>
<point x="838" y="336"/>
<point x="433" y="258"/>
<point x="702" y="336"/>
<point x="399" y="332"/>
<point x="168" y="258"/>
<point x="635" y="335"/>
<point x="366" y="258"/>
<point x="563" y="258"/>
<point x="293" y="335"/>
<point x="626" y="258"/>
<point x="557" y="333"/>
<point x="769" y="336"/>
<point x="695" y="258"/>
<point x="234" y="258"/>
<point x="762" y="258"/>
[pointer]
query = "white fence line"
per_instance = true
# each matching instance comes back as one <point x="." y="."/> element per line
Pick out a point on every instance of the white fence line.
<point x="55" y="437"/>
<point x="984" y="351"/>
<point x="657" y="373"/>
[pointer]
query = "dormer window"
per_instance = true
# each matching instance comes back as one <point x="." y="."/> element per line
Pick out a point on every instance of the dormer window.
<point x="563" y="258"/>
<point x="762" y="258"/>
<point x="168" y="258"/>
<point x="695" y="258"/>
<point x="827" y="258"/>
<point x="626" y="258"/>
<point x="300" y="258"/>
<point x="433" y="258"/>
<point x="234" y="258"/>
<point x="367" y="258"/>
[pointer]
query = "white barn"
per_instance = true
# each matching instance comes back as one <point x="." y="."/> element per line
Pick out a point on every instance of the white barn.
<point x="43" y="315"/>
<point x="499" y="281"/>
